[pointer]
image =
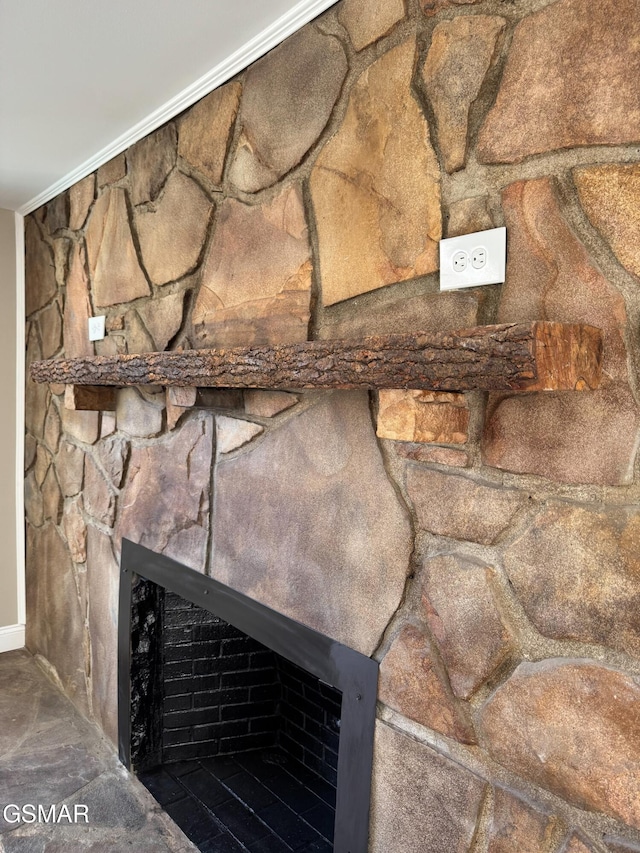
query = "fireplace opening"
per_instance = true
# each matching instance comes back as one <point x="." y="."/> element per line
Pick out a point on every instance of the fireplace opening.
<point x="252" y="731"/>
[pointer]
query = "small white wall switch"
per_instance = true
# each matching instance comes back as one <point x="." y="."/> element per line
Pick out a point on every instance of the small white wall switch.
<point x="96" y="328"/>
<point x="472" y="260"/>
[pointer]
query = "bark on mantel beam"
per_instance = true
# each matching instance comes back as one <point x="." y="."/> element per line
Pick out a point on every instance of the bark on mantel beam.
<point x="513" y="357"/>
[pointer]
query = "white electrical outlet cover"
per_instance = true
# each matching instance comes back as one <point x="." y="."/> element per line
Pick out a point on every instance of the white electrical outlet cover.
<point x="454" y="274"/>
<point x="96" y="328"/>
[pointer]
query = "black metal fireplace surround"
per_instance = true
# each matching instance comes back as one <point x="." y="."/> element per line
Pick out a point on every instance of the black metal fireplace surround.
<point x="155" y="590"/>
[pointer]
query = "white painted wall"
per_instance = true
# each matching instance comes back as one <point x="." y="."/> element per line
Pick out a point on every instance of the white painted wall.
<point x="11" y="372"/>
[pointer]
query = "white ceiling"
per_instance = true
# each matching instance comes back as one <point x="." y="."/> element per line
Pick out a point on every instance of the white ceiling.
<point x="80" y="80"/>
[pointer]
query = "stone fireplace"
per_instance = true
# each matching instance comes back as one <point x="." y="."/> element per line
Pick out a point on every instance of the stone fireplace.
<point x="481" y="548"/>
<point x="259" y="725"/>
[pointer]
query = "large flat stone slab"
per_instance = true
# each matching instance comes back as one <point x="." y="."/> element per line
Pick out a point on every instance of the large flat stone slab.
<point x="40" y="273"/>
<point x="308" y="522"/>
<point x="203" y="131"/>
<point x="376" y="186"/>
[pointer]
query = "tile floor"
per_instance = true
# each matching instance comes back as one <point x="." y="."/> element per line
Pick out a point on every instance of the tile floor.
<point x="50" y="754"/>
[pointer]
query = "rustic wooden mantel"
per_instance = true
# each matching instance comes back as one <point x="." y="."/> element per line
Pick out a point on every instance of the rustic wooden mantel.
<point x="538" y="356"/>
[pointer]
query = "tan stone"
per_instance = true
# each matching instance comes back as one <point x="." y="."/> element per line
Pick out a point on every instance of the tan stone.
<point x="52" y="428"/>
<point x="287" y="100"/>
<point x="256" y="277"/>
<point x="460" y="604"/>
<point x="576" y="571"/>
<point x="423" y="416"/>
<point x="459" y="57"/>
<point x="326" y="532"/>
<point x="162" y="318"/>
<point x="266" y="404"/>
<point x="135" y="416"/>
<point x="81" y="197"/>
<point x="113" y="453"/>
<point x="70" y="468"/>
<point x="165" y="501"/>
<point x="468" y="216"/>
<point x="588" y="438"/>
<point x="75" y="530"/>
<point x="204" y="131"/>
<point x="99" y="500"/>
<point x="149" y="163"/>
<point x="77" y="307"/>
<point x="178" y="401"/>
<point x="40" y="274"/>
<point x="429" y="313"/>
<point x="137" y="336"/>
<point x="367" y="21"/>
<point x="55" y="617"/>
<point x="83" y="426"/>
<point x="33" y="503"/>
<point x="621" y="845"/>
<point x="376" y="186"/>
<point x="450" y="505"/>
<point x="113" y="263"/>
<point x="113" y="171"/>
<point x="517" y="826"/>
<point x="172" y="234"/>
<point x="57" y="216"/>
<point x="107" y="424"/>
<point x="30" y="447"/>
<point x="570" y="80"/>
<point x="610" y="196"/>
<point x="36" y="394"/>
<point x="102" y="585"/>
<point x="43" y="462"/>
<point x="572" y="727"/>
<point x="232" y="433"/>
<point x="577" y="845"/>
<point x="413" y="682"/>
<point x="431" y="7"/>
<point x="61" y="249"/>
<point x="421" y="801"/>
<point x="50" y="324"/>
<point x="440" y="455"/>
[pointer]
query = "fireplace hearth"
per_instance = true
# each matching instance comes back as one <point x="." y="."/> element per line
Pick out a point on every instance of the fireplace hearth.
<point x="253" y="731"/>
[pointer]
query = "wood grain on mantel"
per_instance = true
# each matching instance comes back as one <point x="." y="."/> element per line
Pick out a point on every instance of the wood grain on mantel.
<point x="538" y="356"/>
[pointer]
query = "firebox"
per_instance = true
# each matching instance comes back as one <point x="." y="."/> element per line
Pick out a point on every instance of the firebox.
<point x="253" y="731"/>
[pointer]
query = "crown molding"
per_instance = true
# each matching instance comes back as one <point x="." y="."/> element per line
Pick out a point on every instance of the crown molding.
<point x="270" y="37"/>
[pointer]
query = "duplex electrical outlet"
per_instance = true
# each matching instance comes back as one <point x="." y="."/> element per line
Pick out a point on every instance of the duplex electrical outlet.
<point x="96" y="328"/>
<point x="472" y="260"/>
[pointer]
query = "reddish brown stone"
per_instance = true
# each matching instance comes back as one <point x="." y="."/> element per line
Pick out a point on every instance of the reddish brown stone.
<point x="40" y="274"/>
<point x="232" y="433"/>
<point x="310" y="559"/>
<point x="266" y="404"/>
<point x="75" y="530"/>
<point x="455" y="506"/>
<point x="572" y="727"/>
<point x="52" y="428"/>
<point x="70" y="468"/>
<point x="420" y="800"/>
<point x="113" y="171"/>
<point x="425" y="416"/>
<point x="165" y="501"/>
<point x="517" y="826"/>
<point x="150" y="161"/>
<point x="287" y="99"/>
<point x="591" y="437"/>
<point x="162" y="318"/>
<point x="459" y="57"/>
<point x="137" y="337"/>
<point x="83" y="426"/>
<point x="376" y="186"/>
<point x="440" y="455"/>
<point x="99" y="501"/>
<point x="468" y="216"/>
<point x="367" y="21"/>
<point x="102" y="586"/>
<point x="113" y="263"/>
<point x="610" y="196"/>
<point x="77" y="307"/>
<point x="171" y="235"/>
<point x="203" y="132"/>
<point x="463" y="614"/>
<point x="256" y="278"/>
<point x="55" y="617"/>
<point x="412" y="682"/>
<point x="570" y="80"/>
<point x="576" y="571"/>
<point x="50" y="325"/>
<point x="80" y="199"/>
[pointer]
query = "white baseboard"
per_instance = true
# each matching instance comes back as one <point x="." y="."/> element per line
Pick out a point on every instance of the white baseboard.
<point x="11" y="638"/>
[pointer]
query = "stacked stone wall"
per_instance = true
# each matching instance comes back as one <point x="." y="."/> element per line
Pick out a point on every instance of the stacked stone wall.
<point x="484" y="548"/>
